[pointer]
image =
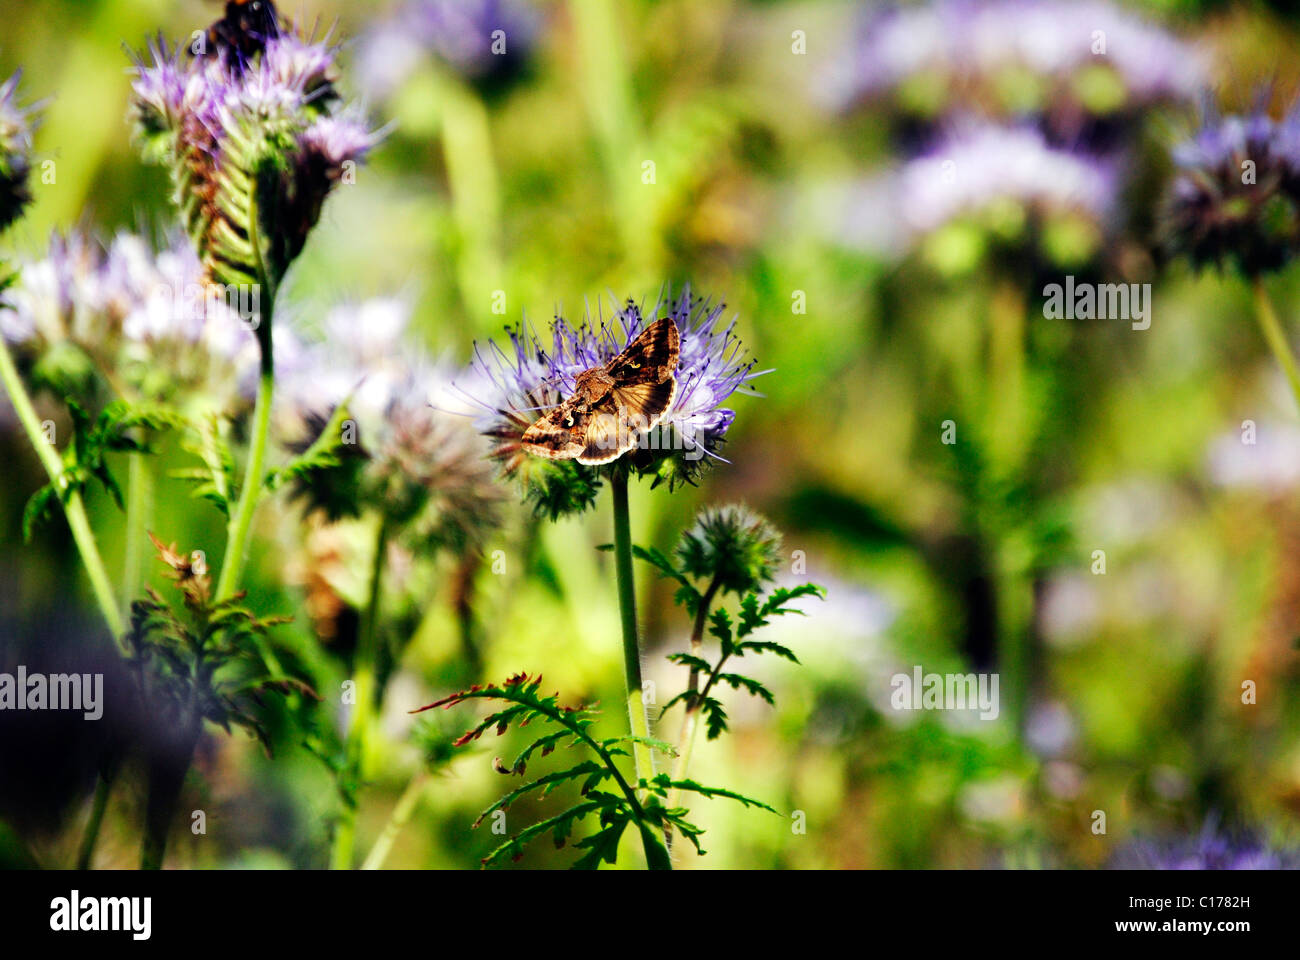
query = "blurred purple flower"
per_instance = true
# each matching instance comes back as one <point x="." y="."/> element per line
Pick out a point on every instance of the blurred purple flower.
<point x="486" y="42"/>
<point x="361" y="354"/>
<point x="1050" y="729"/>
<point x="1211" y="849"/>
<point x="425" y="468"/>
<point x="998" y="178"/>
<point x="1236" y="198"/>
<point x="1065" y="62"/>
<point x="151" y="321"/>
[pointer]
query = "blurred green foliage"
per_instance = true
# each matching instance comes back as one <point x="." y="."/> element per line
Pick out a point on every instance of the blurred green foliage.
<point x="539" y="192"/>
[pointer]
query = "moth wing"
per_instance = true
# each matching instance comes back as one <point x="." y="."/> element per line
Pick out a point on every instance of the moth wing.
<point x="622" y="420"/>
<point x="643" y="405"/>
<point x="608" y="436"/>
<point x="549" y="437"/>
<point x="651" y="357"/>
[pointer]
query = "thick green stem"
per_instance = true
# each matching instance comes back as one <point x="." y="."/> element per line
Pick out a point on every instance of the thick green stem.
<point x="241" y="523"/>
<point x="656" y="854"/>
<point x="366" y="693"/>
<point x="406" y="805"/>
<point x="74" y="508"/>
<point x="137" y="509"/>
<point x="1006" y="421"/>
<point x="640" y="725"/>
<point x="1268" y="322"/>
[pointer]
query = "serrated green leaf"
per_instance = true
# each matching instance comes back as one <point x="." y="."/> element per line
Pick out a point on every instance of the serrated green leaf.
<point x="690" y="660"/>
<point x="737" y="681"/>
<point x="765" y="646"/>
<point x="323" y="454"/>
<point x="720" y="627"/>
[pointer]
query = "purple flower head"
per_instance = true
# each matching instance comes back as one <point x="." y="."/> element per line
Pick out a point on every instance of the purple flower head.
<point x="15" y="153"/>
<point x="512" y="389"/>
<point x="265" y="138"/>
<point x="358" y="354"/>
<point x="1069" y="64"/>
<point x="1008" y="185"/>
<point x="151" y="322"/>
<point x="486" y="42"/>
<point x="1236" y="197"/>
<point x="1211" y="849"/>
<point x="398" y="450"/>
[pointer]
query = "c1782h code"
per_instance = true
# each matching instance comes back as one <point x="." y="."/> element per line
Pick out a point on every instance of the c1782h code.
<point x="1210" y="903"/>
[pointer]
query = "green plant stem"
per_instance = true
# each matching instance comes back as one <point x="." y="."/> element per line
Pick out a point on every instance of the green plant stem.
<point x="1277" y="342"/>
<point x="690" y="722"/>
<point x="656" y="853"/>
<point x="406" y="806"/>
<point x="73" y="508"/>
<point x="241" y="523"/>
<point x="1014" y="615"/>
<point x="463" y="602"/>
<point x="1006" y="421"/>
<point x="365" y="690"/>
<point x="137" y="509"/>
<point x="1009" y="429"/>
<point x="103" y="787"/>
<point x="691" y="729"/>
<point x="640" y="724"/>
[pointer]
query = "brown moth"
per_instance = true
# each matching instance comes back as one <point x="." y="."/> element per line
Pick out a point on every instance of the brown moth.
<point x="613" y="405"/>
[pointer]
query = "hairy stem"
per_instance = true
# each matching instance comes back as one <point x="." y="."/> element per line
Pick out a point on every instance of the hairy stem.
<point x="137" y="508"/>
<point x="655" y="852"/>
<point x="1272" y="329"/>
<point x="241" y="523"/>
<point x="359" y="727"/>
<point x="686" y="739"/>
<point x="406" y="806"/>
<point x="74" y="508"/>
<point x="640" y="725"/>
